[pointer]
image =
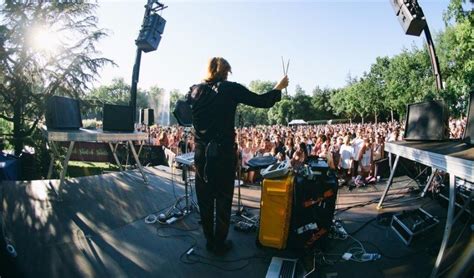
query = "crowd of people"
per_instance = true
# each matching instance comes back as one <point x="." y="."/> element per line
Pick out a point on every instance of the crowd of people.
<point x="353" y="150"/>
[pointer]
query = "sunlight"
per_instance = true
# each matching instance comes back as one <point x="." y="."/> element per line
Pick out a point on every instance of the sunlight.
<point x="44" y="39"/>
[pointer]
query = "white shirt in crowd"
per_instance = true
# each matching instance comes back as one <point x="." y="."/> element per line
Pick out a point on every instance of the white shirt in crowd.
<point x="347" y="153"/>
<point x="358" y="143"/>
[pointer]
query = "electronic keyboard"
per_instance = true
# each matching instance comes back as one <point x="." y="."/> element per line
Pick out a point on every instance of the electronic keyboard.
<point x="186" y="158"/>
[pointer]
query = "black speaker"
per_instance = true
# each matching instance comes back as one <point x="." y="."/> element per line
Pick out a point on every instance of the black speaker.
<point x="118" y="118"/>
<point x="427" y="121"/>
<point x="150" y="34"/>
<point x="147" y="116"/>
<point x="63" y="113"/>
<point x="183" y="113"/>
<point x="140" y="116"/>
<point x="410" y="15"/>
<point x="469" y="131"/>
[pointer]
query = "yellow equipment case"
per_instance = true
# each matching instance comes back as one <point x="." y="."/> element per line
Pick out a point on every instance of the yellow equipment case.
<point x="275" y="211"/>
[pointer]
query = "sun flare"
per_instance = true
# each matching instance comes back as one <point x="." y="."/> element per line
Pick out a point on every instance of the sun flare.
<point x="44" y="39"/>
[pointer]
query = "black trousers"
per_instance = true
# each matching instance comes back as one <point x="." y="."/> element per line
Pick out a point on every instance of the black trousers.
<point x="215" y="194"/>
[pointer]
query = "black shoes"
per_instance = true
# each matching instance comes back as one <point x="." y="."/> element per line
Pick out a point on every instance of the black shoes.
<point x="221" y="248"/>
<point x="210" y="246"/>
<point x="224" y="247"/>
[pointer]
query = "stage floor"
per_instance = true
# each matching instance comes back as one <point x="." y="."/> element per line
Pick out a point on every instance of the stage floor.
<point x="98" y="230"/>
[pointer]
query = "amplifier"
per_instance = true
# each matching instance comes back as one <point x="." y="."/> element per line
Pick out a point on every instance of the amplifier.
<point x="275" y="211"/>
<point x="411" y="224"/>
<point x="317" y="168"/>
<point x="313" y="209"/>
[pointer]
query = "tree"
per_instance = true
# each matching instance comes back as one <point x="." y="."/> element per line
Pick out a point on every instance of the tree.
<point x="46" y="48"/>
<point x="409" y="79"/>
<point x="299" y="90"/>
<point x="281" y="112"/>
<point x="342" y="103"/>
<point x="456" y="55"/>
<point x="376" y="85"/>
<point x="321" y="104"/>
<point x="118" y="92"/>
<point x="251" y="115"/>
<point x="260" y="87"/>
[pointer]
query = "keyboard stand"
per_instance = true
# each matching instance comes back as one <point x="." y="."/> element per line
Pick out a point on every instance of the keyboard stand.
<point x="190" y="205"/>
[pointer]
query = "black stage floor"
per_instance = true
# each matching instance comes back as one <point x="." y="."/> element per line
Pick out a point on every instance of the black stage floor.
<point x="98" y="230"/>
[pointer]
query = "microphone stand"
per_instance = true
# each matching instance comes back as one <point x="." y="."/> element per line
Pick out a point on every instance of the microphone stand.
<point x="240" y="208"/>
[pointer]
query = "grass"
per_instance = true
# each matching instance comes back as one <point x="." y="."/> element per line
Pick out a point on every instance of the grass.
<point x="84" y="168"/>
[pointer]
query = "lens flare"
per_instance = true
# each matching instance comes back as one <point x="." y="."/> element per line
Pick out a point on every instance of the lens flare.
<point x="44" y="39"/>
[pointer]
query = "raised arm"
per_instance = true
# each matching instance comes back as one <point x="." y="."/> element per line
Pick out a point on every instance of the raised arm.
<point x="267" y="100"/>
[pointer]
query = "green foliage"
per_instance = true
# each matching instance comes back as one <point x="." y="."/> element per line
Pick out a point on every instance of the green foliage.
<point x="260" y="87"/>
<point x="321" y="103"/>
<point x="456" y="52"/>
<point x="251" y="115"/>
<point x="118" y="92"/>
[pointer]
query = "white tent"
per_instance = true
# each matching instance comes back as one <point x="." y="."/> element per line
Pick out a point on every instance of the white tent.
<point x="297" y="122"/>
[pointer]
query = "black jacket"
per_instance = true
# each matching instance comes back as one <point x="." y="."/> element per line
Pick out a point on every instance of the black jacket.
<point x="214" y="106"/>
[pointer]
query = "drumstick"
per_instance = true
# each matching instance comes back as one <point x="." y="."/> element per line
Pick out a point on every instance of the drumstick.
<point x="283" y="65"/>
<point x="285" y="72"/>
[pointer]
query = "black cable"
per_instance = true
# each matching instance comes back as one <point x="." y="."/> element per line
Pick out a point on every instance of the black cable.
<point x="187" y="258"/>
<point x="395" y="257"/>
<point x="362" y="226"/>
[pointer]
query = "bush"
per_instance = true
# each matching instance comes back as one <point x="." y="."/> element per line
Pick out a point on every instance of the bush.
<point x="91" y="123"/>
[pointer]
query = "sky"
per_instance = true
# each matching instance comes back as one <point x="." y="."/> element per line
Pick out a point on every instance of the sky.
<point x="325" y="40"/>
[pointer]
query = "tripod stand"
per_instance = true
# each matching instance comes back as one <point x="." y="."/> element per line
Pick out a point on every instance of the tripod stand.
<point x="241" y="209"/>
<point x="190" y="204"/>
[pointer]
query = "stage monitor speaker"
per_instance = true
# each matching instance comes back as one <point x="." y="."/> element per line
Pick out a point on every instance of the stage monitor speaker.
<point x="63" y="113"/>
<point x="469" y="131"/>
<point x="118" y="118"/>
<point x="427" y="121"/>
<point x="150" y="34"/>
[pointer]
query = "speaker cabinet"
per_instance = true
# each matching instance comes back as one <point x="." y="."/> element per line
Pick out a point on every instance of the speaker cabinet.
<point x="150" y="34"/>
<point x="469" y="131"/>
<point x="147" y="116"/>
<point x="118" y="118"/>
<point x="63" y="113"/>
<point x="410" y="16"/>
<point x="183" y="113"/>
<point x="427" y="121"/>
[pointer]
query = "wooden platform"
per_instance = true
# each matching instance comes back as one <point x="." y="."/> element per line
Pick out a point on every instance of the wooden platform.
<point x="98" y="230"/>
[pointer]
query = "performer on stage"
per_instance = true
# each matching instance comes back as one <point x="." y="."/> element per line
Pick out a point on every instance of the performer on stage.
<point x="214" y="104"/>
